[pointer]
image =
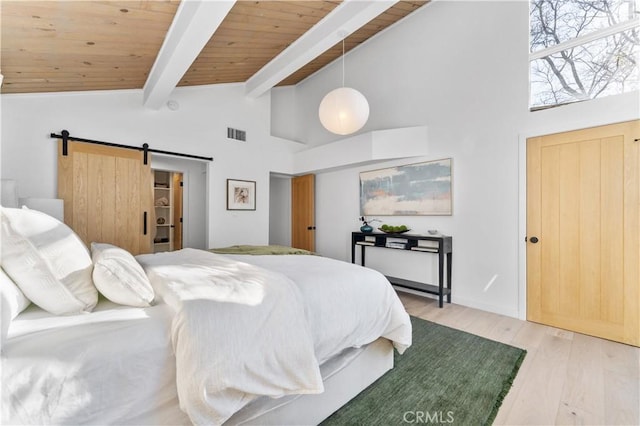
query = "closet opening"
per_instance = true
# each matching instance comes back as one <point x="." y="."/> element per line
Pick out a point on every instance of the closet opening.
<point x="168" y="202"/>
<point x="180" y="199"/>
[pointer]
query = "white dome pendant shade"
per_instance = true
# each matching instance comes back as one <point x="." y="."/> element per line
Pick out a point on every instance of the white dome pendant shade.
<point x="344" y="111"/>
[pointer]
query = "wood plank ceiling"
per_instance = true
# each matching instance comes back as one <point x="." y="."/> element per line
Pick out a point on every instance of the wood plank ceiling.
<point x="57" y="46"/>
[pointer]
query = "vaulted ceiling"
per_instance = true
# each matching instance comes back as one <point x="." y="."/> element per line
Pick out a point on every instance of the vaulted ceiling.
<point x="57" y="46"/>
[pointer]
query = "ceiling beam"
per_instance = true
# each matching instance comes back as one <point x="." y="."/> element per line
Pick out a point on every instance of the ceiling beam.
<point x="192" y="27"/>
<point x="348" y="17"/>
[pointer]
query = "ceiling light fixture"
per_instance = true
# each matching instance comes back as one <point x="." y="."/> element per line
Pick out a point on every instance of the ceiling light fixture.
<point x="343" y="110"/>
<point x="173" y="105"/>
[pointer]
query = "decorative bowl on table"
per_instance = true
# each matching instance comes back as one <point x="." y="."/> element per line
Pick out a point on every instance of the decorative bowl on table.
<point x="394" y="229"/>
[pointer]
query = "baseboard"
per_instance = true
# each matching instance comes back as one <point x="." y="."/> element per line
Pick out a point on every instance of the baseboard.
<point x="466" y="302"/>
<point x="500" y="310"/>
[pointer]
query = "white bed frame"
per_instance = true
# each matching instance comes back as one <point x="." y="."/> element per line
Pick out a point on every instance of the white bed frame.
<point x="342" y="382"/>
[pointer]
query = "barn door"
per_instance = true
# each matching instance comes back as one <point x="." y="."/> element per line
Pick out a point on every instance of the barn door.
<point x="107" y="195"/>
<point x="303" y="225"/>
<point x="583" y="230"/>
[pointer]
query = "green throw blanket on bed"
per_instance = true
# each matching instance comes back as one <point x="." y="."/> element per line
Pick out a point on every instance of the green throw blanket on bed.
<point x="259" y="250"/>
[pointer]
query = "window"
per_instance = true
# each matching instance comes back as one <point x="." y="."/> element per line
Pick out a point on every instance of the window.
<point x="582" y="49"/>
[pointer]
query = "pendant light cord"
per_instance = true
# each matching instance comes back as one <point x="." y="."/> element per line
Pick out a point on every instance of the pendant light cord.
<point x="342" y="62"/>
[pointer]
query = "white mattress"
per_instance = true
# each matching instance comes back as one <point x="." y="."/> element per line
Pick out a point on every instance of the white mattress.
<point x="113" y="366"/>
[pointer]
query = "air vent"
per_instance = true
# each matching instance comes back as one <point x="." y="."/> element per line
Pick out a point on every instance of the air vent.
<point x="239" y="135"/>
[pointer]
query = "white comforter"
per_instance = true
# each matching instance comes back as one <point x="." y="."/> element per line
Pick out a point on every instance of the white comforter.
<point x="113" y="366"/>
<point x="238" y="332"/>
<point x="346" y="305"/>
<point x="242" y="330"/>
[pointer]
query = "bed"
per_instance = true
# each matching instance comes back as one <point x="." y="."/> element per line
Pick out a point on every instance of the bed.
<point x="220" y="338"/>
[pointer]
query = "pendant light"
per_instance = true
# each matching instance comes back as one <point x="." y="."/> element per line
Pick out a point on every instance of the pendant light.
<point x="343" y="110"/>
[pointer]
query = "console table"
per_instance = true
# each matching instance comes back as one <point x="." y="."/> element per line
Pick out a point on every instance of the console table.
<point x="427" y="244"/>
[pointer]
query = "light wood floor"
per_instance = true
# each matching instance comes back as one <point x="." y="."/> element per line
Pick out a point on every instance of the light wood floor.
<point x="566" y="378"/>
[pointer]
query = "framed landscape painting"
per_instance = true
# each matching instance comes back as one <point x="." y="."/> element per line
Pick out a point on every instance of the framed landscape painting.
<point x="413" y="189"/>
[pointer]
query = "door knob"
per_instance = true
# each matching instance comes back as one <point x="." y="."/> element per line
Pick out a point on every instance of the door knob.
<point x="533" y="239"/>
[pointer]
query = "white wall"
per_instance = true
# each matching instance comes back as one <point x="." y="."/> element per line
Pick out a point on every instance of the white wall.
<point x="280" y="210"/>
<point x="460" y="68"/>
<point x="285" y="121"/>
<point x="29" y="156"/>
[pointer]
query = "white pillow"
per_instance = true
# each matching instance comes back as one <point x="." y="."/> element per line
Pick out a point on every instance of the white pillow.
<point x="12" y="303"/>
<point x="119" y="276"/>
<point x="47" y="261"/>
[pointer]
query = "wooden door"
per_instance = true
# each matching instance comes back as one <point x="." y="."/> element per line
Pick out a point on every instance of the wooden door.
<point x="107" y="195"/>
<point x="303" y="228"/>
<point x="583" y="230"/>
<point x="177" y="211"/>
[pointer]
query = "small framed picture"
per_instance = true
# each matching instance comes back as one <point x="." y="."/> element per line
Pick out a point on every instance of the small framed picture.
<point x="241" y="194"/>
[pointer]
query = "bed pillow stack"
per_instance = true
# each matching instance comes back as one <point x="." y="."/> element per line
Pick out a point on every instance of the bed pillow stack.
<point x="119" y="277"/>
<point x="47" y="261"/>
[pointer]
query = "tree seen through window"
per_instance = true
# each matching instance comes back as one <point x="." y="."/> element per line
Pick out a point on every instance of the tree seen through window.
<point x="582" y="49"/>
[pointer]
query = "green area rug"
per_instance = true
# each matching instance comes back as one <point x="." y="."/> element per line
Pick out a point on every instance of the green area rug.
<point x="446" y="377"/>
